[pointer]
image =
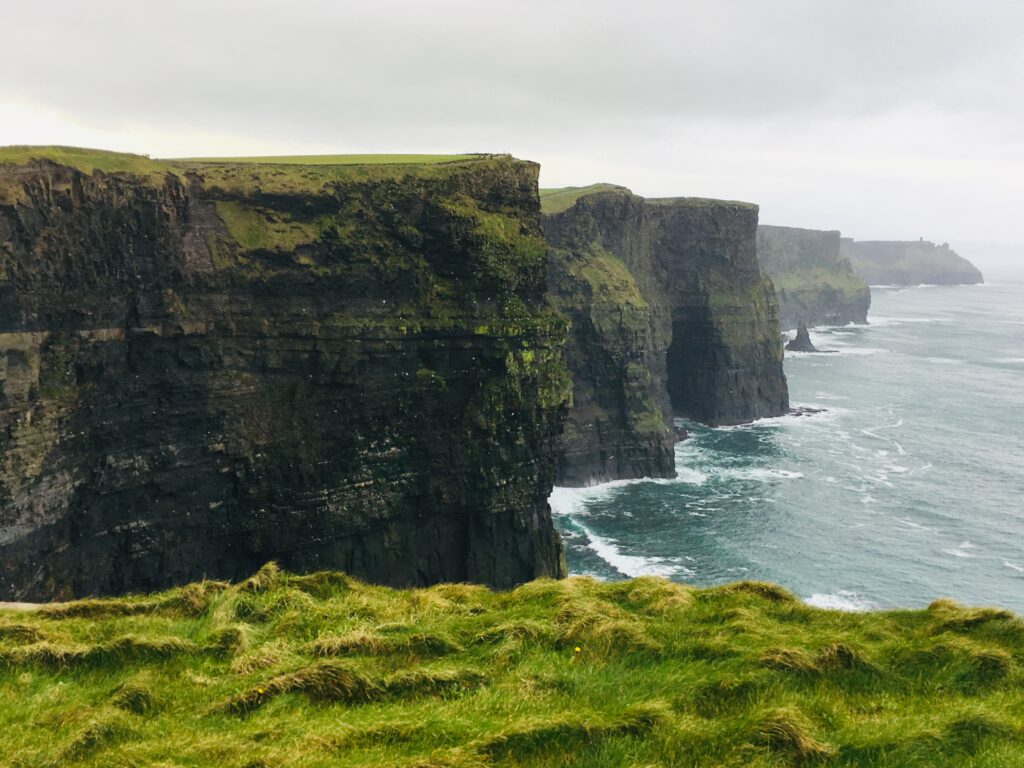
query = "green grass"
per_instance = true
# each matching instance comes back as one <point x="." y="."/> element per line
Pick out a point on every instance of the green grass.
<point x="556" y="200"/>
<point x="322" y="670"/>
<point x="86" y="160"/>
<point x="328" y="159"/>
<point x="297" y="174"/>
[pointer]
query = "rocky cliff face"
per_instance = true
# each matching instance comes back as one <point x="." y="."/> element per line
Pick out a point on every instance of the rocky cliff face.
<point x="815" y="283"/>
<point x="205" y="368"/>
<point x="669" y="315"/>
<point x="912" y="262"/>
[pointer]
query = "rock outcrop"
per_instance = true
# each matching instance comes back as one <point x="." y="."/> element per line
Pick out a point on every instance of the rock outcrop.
<point x="206" y="367"/>
<point x="910" y="262"/>
<point x="802" y="341"/>
<point x="669" y="315"/>
<point x="815" y="282"/>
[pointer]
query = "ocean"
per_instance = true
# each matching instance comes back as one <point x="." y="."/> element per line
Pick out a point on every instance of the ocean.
<point x="909" y="486"/>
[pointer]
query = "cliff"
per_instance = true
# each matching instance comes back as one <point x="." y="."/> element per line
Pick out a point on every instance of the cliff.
<point x="207" y="366"/>
<point x="815" y="283"/>
<point x="669" y="315"/>
<point x="912" y="262"/>
<point x="321" y="670"/>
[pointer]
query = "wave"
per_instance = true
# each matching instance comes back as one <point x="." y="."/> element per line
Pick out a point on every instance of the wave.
<point x="843" y="600"/>
<point x="1008" y="360"/>
<point x="1016" y="568"/>
<point x="760" y="474"/>
<point x="632" y="565"/>
<point x="960" y="551"/>
<point x="884" y="321"/>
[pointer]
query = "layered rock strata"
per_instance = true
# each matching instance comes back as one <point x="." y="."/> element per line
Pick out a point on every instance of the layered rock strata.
<point x="669" y="316"/>
<point x="815" y="283"/>
<point x="911" y="262"/>
<point x="204" y="367"/>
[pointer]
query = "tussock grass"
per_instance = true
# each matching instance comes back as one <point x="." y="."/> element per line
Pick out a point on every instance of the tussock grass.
<point x="135" y="696"/>
<point x="787" y="731"/>
<point x="322" y="670"/>
<point x="121" y="650"/>
<point x="363" y="642"/>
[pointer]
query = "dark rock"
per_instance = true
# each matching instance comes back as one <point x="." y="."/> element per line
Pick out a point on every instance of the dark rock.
<point x="331" y="367"/>
<point x="802" y="341"/>
<point x="669" y="314"/>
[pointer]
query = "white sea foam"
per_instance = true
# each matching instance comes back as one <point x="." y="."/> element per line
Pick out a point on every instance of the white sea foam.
<point x="911" y="524"/>
<point x="960" y="551"/>
<point x="943" y="361"/>
<point x="1009" y="360"/>
<point x="883" y="321"/>
<point x="843" y="600"/>
<point x="760" y="474"/>
<point x="1016" y="568"/>
<point x="633" y="565"/>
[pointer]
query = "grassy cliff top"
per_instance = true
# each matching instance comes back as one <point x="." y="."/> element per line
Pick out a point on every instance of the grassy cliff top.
<point x="556" y="200"/>
<point x="328" y="159"/>
<point x="710" y="202"/>
<point x="322" y="670"/>
<point x="86" y="160"/>
<point x="273" y="174"/>
<point x="89" y="160"/>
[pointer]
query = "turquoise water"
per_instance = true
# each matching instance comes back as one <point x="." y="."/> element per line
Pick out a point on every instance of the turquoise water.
<point x="909" y="487"/>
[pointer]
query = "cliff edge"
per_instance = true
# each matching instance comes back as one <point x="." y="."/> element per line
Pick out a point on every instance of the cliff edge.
<point x="669" y="315"/>
<point x="816" y="284"/>
<point x="205" y="366"/>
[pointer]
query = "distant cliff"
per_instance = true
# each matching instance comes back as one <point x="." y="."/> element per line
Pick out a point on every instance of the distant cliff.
<point x="911" y="262"/>
<point x="669" y="315"/>
<point x="204" y="367"/>
<point x="815" y="283"/>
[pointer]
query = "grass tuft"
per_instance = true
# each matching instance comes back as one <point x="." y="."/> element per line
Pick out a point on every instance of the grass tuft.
<point x="261" y="581"/>
<point x="770" y="592"/>
<point x="565" y="731"/>
<point x="323" y="681"/>
<point x="135" y="697"/>
<point x="21" y="633"/>
<point x="787" y="732"/>
<point x="103" y="731"/>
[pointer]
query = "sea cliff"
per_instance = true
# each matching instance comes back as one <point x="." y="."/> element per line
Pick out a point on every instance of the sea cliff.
<point x="911" y="262"/>
<point x="815" y="283"/>
<point x="669" y="315"/>
<point x="205" y="366"/>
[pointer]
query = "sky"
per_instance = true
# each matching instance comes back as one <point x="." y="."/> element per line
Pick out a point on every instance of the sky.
<point x="886" y="119"/>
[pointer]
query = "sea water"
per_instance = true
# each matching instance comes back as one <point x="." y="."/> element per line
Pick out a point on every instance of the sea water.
<point x="907" y="487"/>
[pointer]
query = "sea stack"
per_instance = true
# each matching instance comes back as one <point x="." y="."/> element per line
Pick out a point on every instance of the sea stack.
<point x="802" y="341"/>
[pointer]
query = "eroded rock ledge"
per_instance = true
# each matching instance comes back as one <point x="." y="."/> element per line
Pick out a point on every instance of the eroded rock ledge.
<point x="206" y="367"/>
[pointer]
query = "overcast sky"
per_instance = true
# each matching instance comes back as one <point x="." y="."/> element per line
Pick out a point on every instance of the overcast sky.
<point x="881" y="118"/>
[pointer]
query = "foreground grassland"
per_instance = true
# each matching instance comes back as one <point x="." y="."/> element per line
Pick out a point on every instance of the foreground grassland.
<point x="322" y="670"/>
